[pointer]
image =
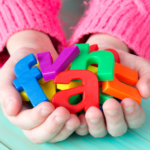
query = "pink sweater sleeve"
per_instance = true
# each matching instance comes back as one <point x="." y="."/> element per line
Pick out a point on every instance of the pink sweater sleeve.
<point x="128" y="20"/>
<point x="41" y="15"/>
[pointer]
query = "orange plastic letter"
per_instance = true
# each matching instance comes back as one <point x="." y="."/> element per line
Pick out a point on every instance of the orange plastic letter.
<point x="89" y="89"/>
<point x="121" y="90"/>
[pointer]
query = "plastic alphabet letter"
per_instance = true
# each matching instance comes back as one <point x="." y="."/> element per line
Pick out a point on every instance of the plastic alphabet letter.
<point x="90" y="97"/>
<point x="41" y="81"/>
<point x="75" y="99"/>
<point x="115" y="53"/>
<point x="103" y="97"/>
<point x="104" y="59"/>
<point x="24" y="96"/>
<point x="49" y="88"/>
<point x="74" y="84"/>
<point x="93" y="48"/>
<point x="27" y="79"/>
<point x="49" y="70"/>
<point x="121" y="90"/>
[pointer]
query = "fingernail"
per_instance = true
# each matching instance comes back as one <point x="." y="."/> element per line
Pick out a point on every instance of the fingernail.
<point x="129" y="109"/>
<point x="82" y="126"/>
<point x="9" y="104"/>
<point x="44" y="112"/>
<point x="70" y="128"/>
<point x="112" y="112"/>
<point x="60" y="120"/>
<point x="94" y="121"/>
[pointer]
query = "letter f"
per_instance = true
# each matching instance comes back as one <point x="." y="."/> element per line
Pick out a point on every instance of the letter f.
<point x="27" y="79"/>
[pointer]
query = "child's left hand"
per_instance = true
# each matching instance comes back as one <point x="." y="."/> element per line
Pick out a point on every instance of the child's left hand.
<point x="118" y="116"/>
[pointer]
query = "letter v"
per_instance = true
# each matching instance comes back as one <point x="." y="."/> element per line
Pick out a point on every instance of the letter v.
<point x="49" y="70"/>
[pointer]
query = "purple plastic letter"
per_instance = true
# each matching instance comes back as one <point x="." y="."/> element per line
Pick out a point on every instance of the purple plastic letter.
<point x="49" y="70"/>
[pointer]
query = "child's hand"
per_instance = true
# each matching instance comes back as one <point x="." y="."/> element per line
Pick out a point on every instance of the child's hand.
<point x="118" y="116"/>
<point x="42" y="123"/>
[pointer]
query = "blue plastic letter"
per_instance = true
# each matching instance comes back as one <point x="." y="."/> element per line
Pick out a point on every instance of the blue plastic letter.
<point x="27" y="79"/>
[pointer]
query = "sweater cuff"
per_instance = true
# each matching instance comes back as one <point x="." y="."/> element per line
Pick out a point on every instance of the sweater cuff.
<point x="41" y="15"/>
<point x="126" y="20"/>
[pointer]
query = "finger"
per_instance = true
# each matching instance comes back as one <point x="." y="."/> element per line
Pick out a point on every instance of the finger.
<point x="116" y="124"/>
<point x="133" y="113"/>
<point x="67" y="130"/>
<point x="136" y="63"/>
<point x="107" y="41"/>
<point x="35" y="40"/>
<point x="143" y="67"/>
<point x="19" y="45"/>
<point x="143" y="85"/>
<point x="31" y="118"/>
<point x="50" y="128"/>
<point x="95" y="122"/>
<point x="10" y="100"/>
<point x="83" y="128"/>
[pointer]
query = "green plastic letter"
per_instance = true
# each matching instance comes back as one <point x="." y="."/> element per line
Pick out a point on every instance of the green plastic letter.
<point x="104" y="59"/>
<point x="103" y="97"/>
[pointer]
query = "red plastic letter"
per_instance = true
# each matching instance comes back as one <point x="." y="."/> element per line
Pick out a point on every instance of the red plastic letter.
<point x="90" y="90"/>
<point x="93" y="48"/>
<point x="115" y="53"/>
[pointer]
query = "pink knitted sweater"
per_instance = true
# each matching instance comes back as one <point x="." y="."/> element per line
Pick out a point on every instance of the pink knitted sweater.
<point x="128" y="20"/>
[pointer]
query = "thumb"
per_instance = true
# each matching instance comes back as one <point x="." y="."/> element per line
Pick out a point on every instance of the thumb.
<point x="105" y="41"/>
<point x="36" y="41"/>
<point x="20" y="45"/>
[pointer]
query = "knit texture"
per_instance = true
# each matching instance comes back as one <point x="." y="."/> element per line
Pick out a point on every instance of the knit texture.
<point x="41" y="15"/>
<point x="128" y="20"/>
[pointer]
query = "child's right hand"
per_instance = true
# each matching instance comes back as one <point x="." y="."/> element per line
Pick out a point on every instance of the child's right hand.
<point x="42" y="123"/>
